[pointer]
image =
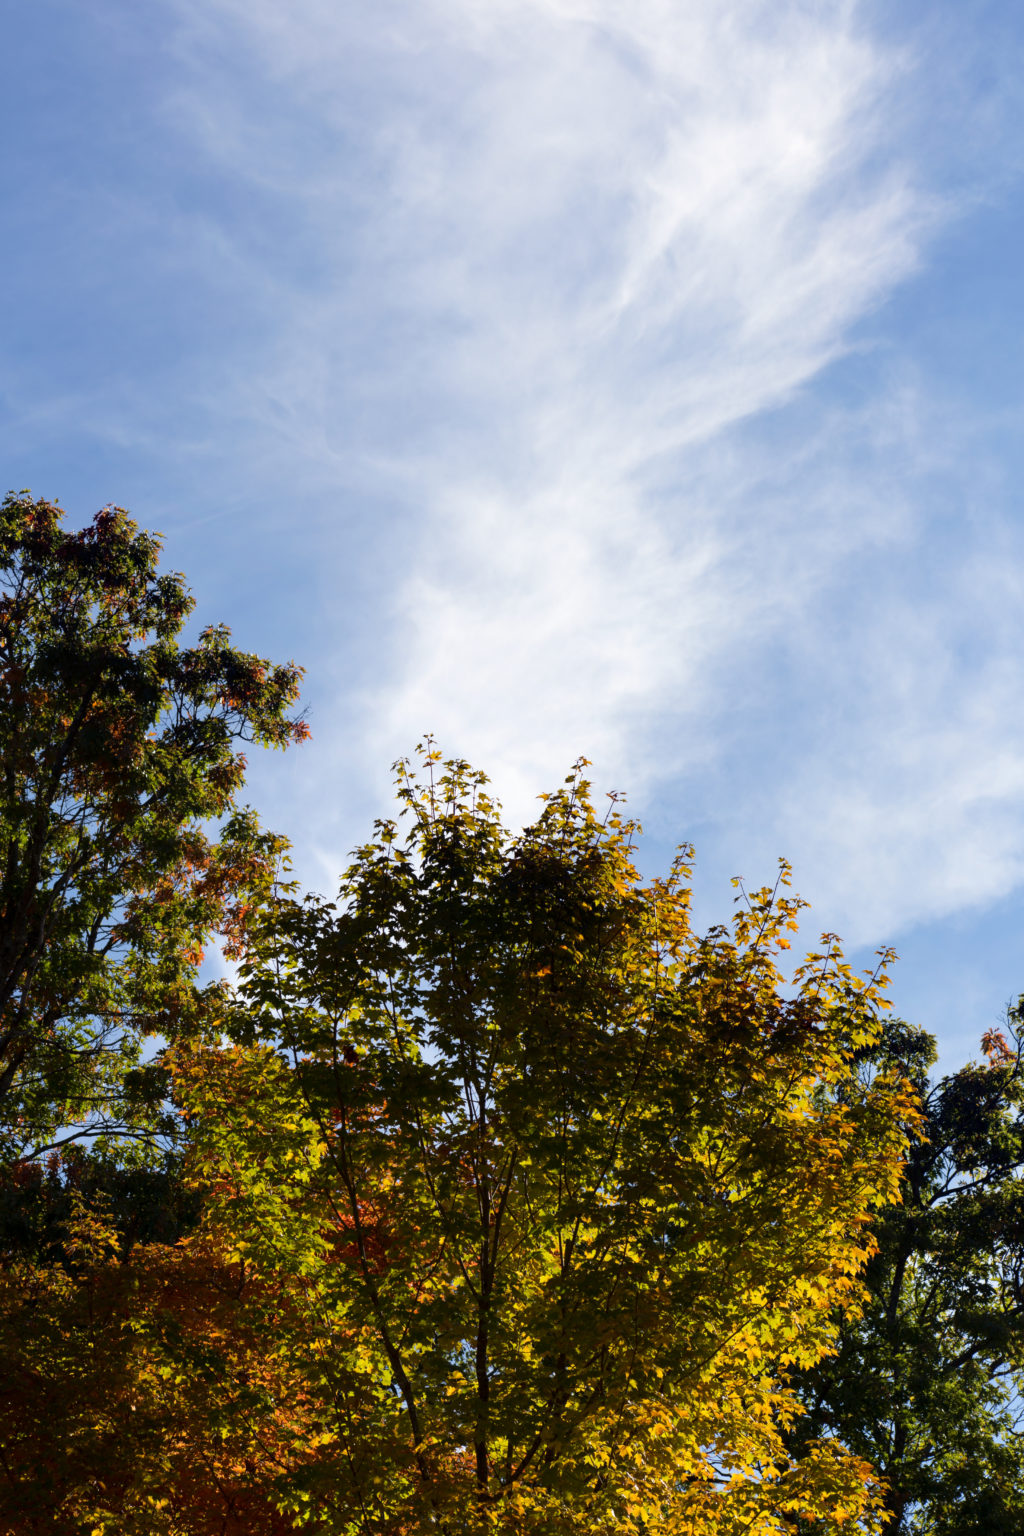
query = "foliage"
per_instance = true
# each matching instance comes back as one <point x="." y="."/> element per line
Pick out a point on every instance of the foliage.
<point x="134" y="1400"/>
<point x="117" y="752"/>
<point x="927" y="1383"/>
<point x="142" y="1202"/>
<point x="561" y="1191"/>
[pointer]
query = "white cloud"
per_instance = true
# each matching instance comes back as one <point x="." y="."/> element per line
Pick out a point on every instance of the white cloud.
<point x="579" y="264"/>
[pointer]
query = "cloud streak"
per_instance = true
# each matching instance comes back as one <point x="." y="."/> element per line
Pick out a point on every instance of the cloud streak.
<point x="577" y="279"/>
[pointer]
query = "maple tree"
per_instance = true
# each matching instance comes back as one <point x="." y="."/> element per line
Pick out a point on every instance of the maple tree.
<point x="928" y="1382"/>
<point x="122" y="845"/>
<point x="561" y="1192"/>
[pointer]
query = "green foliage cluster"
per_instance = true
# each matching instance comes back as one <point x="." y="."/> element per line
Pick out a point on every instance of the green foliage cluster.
<point x="927" y="1381"/>
<point x="117" y="753"/>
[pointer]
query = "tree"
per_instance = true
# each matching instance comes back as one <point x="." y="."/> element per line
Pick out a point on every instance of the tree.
<point x="118" y="756"/>
<point x="927" y="1384"/>
<point x="141" y="1387"/>
<point x="562" y="1191"/>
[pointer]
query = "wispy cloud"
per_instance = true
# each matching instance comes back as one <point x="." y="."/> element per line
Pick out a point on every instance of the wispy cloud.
<point x="566" y="279"/>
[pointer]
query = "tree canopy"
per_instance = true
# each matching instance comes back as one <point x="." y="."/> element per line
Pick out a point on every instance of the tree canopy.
<point x="927" y="1383"/>
<point x="563" y="1191"/>
<point x="492" y="1196"/>
<point x="121" y="843"/>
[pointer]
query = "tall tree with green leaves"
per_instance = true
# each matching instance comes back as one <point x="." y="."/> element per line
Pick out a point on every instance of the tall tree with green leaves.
<point x="122" y="844"/>
<point x="928" y="1382"/>
<point x="560" y="1191"/>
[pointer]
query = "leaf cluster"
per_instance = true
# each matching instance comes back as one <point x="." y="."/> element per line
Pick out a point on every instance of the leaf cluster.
<point x="927" y="1380"/>
<point x="119" y="755"/>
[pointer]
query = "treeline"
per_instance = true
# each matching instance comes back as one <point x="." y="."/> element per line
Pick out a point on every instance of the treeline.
<point x="492" y="1197"/>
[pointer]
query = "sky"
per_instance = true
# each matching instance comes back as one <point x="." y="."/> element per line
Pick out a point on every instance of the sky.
<point x="633" y="379"/>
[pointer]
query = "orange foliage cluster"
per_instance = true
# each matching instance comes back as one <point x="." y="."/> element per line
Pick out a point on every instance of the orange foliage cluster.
<point x="136" y="1396"/>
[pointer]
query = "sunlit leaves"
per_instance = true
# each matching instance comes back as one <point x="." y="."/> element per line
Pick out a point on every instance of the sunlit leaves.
<point x="561" y="1189"/>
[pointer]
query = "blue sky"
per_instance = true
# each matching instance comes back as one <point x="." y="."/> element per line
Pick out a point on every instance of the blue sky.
<point x="610" y="377"/>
